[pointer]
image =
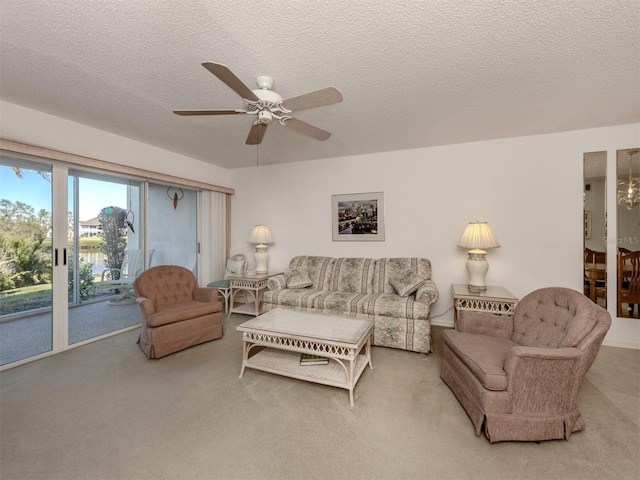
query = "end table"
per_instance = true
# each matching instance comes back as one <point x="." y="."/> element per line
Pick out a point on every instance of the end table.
<point x="255" y="285"/>
<point x="496" y="300"/>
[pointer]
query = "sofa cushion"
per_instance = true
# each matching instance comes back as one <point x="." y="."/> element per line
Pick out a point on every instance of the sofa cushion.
<point x="388" y="268"/>
<point x="392" y="305"/>
<point x="484" y="355"/>
<point x="340" y="303"/>
<point x="297" y="278"/>
<point x="319" y="269"/>
<point x="406" y="282"/>
<point x="298" y="298"/>
<point x="354" y="275"/>
<point x="178" y="312"/>
<point x="235" y="268"/>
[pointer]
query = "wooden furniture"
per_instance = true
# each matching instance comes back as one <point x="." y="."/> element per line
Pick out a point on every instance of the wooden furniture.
<point x="628" y="280"/>
<point x="595" y="274"/>
<point x="254" y="285"/>
<point x="496" y="300"/>
<point x="286" y="334"/>
<point x="596" y="285"/>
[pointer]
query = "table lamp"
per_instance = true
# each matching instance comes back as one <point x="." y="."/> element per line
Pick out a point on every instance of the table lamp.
<point x="478" y="237"/>
<point x="261" y="236"/>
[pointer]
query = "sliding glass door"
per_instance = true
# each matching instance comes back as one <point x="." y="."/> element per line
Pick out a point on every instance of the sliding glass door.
<point x="72" y="241"/>
<point x="106" y="253"/>
<point x="26" y="274"/>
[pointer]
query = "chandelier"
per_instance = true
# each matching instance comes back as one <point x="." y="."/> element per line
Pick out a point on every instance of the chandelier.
<point x="629" y="190"/>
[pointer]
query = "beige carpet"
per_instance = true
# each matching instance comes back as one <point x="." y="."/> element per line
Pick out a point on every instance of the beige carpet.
<point x="103" y="411"/>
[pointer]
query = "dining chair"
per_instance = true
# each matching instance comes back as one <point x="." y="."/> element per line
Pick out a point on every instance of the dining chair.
<point x="628" y="281"/>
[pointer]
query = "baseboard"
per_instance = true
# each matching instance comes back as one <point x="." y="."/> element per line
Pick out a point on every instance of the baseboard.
<point x="633" y="346"/>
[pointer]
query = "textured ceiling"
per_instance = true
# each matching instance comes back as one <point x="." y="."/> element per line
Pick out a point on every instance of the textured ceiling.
<point x="412" y="73"/>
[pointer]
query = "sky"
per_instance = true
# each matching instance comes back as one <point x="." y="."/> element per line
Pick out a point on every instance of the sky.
<point x="34" y="190"/>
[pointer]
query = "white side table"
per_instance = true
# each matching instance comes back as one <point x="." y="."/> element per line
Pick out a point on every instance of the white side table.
<point x="254" y="285"/>
<point x="497" y="300"/>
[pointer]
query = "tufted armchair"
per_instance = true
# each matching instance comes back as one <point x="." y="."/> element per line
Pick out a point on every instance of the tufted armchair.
<point x="175" y="313"/>
<point x="519" y="376"/>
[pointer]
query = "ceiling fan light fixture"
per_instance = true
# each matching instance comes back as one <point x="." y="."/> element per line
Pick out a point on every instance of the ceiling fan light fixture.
<point x="629" y="190"/>
<point x="265" y="82"/>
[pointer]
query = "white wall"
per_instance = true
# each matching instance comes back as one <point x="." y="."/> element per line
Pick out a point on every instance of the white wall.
<point x="529" y="189"/>
<point x="25" y="125"/>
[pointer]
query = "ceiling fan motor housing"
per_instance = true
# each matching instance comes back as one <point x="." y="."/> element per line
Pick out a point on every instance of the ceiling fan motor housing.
<point x="265" y="116"/>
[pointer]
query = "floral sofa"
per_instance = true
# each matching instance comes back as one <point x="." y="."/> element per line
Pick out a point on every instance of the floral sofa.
<point x="396" y="293"/>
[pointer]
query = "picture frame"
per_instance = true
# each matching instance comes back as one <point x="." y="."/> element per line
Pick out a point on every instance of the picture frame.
<point x="358" y="217"/>
<point x="587" y="225"/>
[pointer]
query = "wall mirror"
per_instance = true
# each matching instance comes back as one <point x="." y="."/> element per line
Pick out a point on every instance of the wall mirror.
<point x="595" y="226"/>
<point x="628" y="235"/>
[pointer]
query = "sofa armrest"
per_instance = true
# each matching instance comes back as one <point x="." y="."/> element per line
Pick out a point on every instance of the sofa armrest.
<point x="145" y="306"/>
<point x="485" y="323"/>
<point x="277" y="282"/>
<point x="206" y="294"/>
<point x="427" y="293"/>
<point x="542" y="381"/>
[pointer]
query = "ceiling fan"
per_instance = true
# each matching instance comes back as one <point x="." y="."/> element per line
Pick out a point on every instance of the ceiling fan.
<point x="267" y="104"/>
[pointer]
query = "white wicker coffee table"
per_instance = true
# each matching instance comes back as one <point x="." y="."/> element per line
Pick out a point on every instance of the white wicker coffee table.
<point x="286" y="334"/>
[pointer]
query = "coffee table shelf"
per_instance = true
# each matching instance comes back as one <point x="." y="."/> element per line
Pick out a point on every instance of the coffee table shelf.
<point x="287" y="363"/>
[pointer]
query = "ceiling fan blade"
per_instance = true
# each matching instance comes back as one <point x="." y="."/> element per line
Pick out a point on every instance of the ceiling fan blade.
<point x="319" y="98"/>
<point x="208" y="112"/>
<point x="228" y="77"/>
<point x="256" y="133"/>
<point x="307" y="129"/>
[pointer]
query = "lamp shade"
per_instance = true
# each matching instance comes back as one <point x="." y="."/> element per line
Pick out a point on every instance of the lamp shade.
<point x="478" y="235"/>
<point x="261" y="235"/>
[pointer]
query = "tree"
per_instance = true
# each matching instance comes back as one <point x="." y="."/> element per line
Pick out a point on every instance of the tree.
<point x="114" y="228"/>
<point x="23" y="258"/>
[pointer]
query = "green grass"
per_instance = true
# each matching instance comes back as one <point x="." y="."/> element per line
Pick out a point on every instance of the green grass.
<point x="36" y="296"/>
<point x="25" y="298"/>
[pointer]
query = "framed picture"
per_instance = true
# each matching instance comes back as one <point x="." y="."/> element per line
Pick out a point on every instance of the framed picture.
<point x="587" y="224"/>
<point x="358" y="217"/>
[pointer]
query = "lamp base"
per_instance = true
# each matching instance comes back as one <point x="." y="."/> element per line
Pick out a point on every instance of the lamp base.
<point x="477" y="266"/>
<point x="262" y="259"/>
<point x="476" y="288"/>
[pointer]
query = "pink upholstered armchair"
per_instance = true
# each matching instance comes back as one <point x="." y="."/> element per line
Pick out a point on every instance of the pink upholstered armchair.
<point x="519" y="376"/>
<point x="175" y="312"/>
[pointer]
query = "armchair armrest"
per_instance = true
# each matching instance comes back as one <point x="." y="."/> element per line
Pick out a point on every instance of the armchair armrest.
<point x="206" y="294"/>
<point x="484" y="323"/>
<point x="277" y="282"/>
<point x="427" y="293"/>
<point x="542" y="381"/>
<point x="146" y="306"/>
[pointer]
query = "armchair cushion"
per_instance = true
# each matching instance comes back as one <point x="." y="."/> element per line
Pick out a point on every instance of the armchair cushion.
<point x="552" y="318"/>
<point x="484" y="355"/>
<point x="176" y="312"/>
<point x="485" y="323"/>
